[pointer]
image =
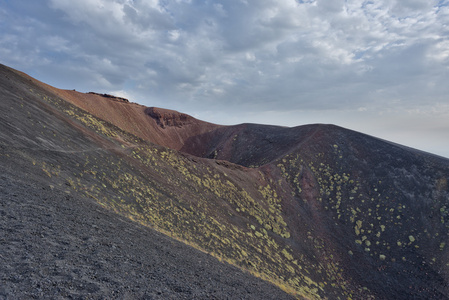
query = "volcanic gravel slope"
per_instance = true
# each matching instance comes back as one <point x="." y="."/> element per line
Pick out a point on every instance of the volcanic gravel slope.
<point x="55" y="245"/>
<point x="319" y="210"/>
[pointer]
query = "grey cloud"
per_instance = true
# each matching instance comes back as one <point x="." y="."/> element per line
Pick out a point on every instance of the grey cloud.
<point x="147" y="17"/>
<point x="410" y="7"/>
<point x="330" y="6"/>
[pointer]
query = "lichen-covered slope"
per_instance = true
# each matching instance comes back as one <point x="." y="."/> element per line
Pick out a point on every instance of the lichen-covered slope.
<point x="321" y="211"/>
<point x="380" y="210"/>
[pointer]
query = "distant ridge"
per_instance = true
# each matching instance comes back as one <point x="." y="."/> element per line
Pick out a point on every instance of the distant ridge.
<point x="110" y="96"/>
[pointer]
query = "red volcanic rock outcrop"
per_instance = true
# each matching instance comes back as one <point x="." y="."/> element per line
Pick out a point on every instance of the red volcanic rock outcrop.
<point x="169" y="118"/>
<point x="164" y="127"/>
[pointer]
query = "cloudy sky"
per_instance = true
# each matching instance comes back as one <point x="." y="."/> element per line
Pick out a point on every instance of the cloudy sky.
<point x="380" y="67"/>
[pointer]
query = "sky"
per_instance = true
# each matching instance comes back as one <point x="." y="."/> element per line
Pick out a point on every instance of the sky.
<point x="380" y="67"/>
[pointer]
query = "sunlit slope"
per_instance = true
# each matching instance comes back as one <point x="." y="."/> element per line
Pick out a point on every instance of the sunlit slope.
<point x="322" y="211"/>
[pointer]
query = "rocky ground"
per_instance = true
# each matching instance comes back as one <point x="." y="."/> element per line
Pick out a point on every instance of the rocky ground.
<point x="327" y="212"/>
<point x="55" y="245"/>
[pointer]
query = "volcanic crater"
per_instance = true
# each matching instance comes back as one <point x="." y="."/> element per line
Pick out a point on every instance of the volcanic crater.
<point x="105" y="198"/>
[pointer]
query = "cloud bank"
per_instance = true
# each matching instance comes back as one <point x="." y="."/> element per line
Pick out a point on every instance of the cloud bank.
<point x="379" y="67"/>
